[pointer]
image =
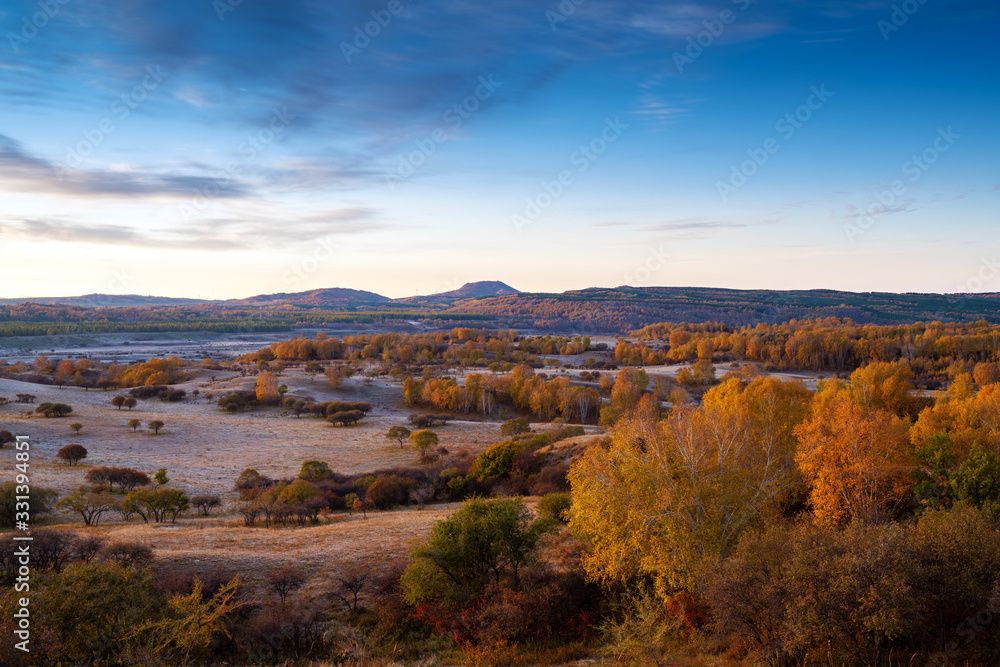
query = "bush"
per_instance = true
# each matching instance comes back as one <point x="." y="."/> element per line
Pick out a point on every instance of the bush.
<point x="554" y="506"/>
<point x="173" y="395"/>
<point x="388" y="491"/>
<point x="346" y="418"/>
<point x="127" y="479"/>
<point x="313" y="471"/>
<point x="147" y="391"/>
<point x="497" y="460"/>
<point x="515" y="426"/>
<point x="53" y="409"/>
<point x="249" y="480"/>
<point x="127" y="554"/>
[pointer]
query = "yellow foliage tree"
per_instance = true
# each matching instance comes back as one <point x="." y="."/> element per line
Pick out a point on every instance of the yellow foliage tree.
<point x="267" y="387"/>
<point x="856" y="459"/>
<point x="666" y="495"/>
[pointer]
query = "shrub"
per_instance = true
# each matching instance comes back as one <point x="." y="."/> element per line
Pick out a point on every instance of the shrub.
<point x="147" y="391"/>
<point x="314" y="470"/>
<point x="515" y="426"/>
<point x="497" y="460"/>
<point x="346" y="418"/>
<point x="555" y="506"/>
<point x="127" y="554"/>
<point x="388" y="491"/>
<point x="53" y="409"/>
<point x="173" y="395"/>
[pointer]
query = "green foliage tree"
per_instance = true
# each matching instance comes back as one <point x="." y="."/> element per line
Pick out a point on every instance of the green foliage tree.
<point x="40" y="499"/>
<point x="93" y="608"/>
<point x="157" y="504"/>
<point x="555" y="506"/>
<point x="314" y="470"/>
<point x="497" y="460"/>
<point x="485" y="542"/>
<point x="89" y="504"/>
<point x="423" y="440"/>
<point x="399" y="434"/>
<point x="515" y="426"/>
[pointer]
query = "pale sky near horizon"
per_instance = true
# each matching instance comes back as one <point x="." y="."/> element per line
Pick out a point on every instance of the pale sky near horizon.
<point x="221" y="149"/>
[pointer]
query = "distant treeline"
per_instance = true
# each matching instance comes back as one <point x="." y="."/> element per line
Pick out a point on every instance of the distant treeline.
<point x="41" y="320"/>
<point x="823" y="344"/>
<point x="624" y="309"/>
<point x="460" y="345"/>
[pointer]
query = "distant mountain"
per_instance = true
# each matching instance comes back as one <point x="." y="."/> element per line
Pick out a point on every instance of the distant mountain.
<point x="331" y="297"/>
<point x="493" y="303"/>
<point x="478" y="290"/>
<point x="107" y="301"/>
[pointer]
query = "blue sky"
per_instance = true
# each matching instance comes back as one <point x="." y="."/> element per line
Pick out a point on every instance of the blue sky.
<point x="223" y="149"/>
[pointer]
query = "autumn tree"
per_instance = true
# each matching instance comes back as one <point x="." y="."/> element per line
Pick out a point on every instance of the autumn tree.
<point x="267" y="388"/>
<point x="399" y="434"/>
<point x="130" y="402"/>
<point x="156" y="425"/>
<point x="285" y="579"/>
<point x="424" y="440"/>
<point x="349" y="581"/>
<point x="664" y="496"/>
<point x="76" y="427"/>
<point x="90" y="505"/>
<point x="883" y="386"/>
<point x="134" y="424"/>
<point x="72" y="454"/>
<point x="205" y="503"/>
<point x="854" y="455"/>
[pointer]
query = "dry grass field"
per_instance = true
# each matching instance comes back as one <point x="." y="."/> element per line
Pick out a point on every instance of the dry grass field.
<point x="204" y="449"/>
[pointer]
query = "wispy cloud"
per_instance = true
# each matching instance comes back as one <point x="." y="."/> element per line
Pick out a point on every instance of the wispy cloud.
<point x="219" y="234"/>
<point x="21" y="171"/>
